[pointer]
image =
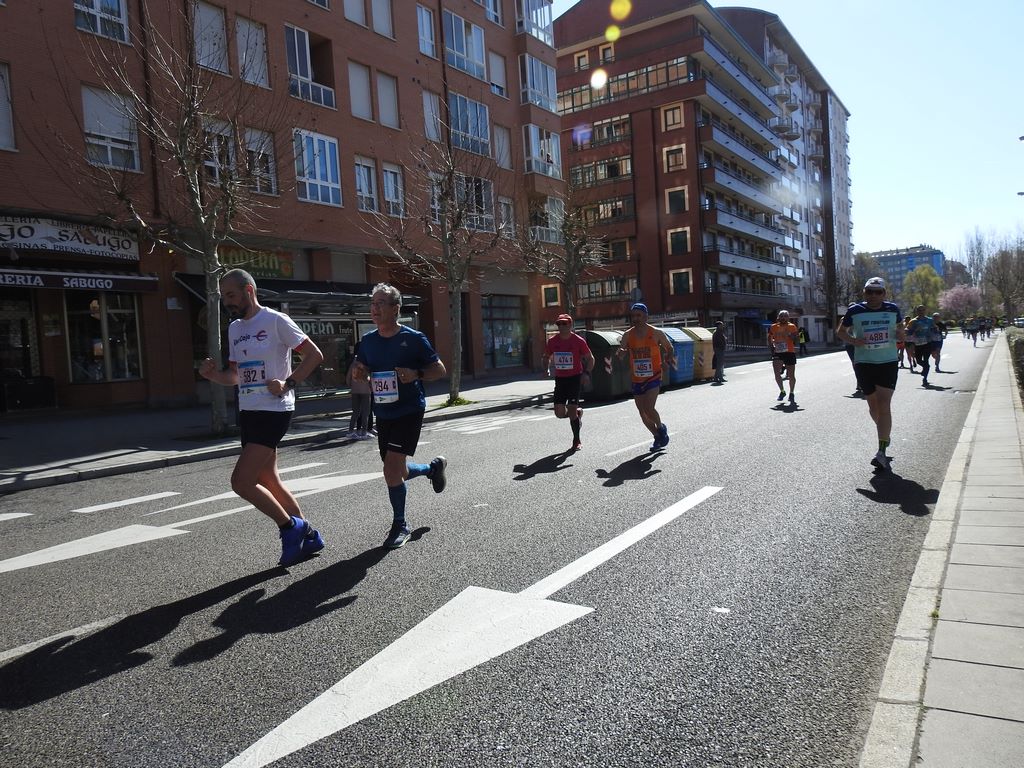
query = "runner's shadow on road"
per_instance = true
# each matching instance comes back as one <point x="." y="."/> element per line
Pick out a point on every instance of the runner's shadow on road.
<point x="67" y="664"/>
<point x="637" y="468"/>
<point x="935" y="388"/>
<point x="890" y="488"/>
<point x="544" y="466"/>
<point x="786" y="407"/>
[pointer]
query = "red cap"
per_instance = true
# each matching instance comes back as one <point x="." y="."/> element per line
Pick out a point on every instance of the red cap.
<point x="563" y="318"/>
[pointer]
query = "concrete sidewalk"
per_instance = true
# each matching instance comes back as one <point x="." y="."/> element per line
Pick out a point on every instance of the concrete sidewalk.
<point x="953" y="691"/>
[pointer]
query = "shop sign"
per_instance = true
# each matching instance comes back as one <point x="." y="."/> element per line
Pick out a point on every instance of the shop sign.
<point x="83" y="281"/>
<point x="259" y="263"/>
<point x="319" y="327"/>
<point x="30" y="233"/>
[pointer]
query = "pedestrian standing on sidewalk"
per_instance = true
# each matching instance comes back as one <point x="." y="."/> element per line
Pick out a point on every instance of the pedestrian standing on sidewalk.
<point x="648" y="350"/>
<point x="803" y="342"/>
<point x="359" y="390"/>
<point x="572" y="360"/>
<point x="718" y="343"/>
<point x="873" y="327"/>
<point x="260" y="343"/>
<point x="398" y="360"/>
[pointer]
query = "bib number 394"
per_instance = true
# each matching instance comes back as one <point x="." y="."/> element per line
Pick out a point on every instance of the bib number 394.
<point x="385" y="386"/>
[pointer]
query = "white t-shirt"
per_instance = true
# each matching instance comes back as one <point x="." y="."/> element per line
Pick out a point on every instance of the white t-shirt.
<point x="261" y="349"/>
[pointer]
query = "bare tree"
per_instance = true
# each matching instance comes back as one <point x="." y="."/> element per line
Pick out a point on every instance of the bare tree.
<point x="1004" y="273"/>
<point x="978" y="249"/>
<point x="212" y="143"/>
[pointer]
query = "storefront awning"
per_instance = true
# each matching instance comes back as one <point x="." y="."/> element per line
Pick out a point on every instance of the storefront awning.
<point x="79" y="280"/>
<point x="347" y="297"/>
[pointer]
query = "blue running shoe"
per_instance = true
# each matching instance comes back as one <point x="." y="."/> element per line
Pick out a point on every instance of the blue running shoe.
<point x="312" y="542"/>
<point x="291" y="542"/>
<point x="398" y="536"/>
<point x="663" y="435"/>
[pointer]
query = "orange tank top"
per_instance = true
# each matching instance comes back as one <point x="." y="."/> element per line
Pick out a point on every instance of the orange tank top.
<point x="644" y="356"/>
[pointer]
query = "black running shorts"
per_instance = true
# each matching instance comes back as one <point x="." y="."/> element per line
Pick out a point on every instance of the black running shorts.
<point x="870" y="376"/>
<point x="263" y="427"/>
<point x="400" y="435"/>
<point x="567" y="389"/>
<point x="787" y="358"/>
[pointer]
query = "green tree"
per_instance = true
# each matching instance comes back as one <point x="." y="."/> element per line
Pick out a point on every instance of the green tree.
<point x="922" y="286"/>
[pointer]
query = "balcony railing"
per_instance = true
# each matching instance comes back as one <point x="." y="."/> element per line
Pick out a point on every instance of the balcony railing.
<point x="307" y="90"/>
<point x="759" y="222"/>
<point x="547" y="235"/>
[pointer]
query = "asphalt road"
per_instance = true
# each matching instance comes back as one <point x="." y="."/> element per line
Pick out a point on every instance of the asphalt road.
<point x="751" y="629"/>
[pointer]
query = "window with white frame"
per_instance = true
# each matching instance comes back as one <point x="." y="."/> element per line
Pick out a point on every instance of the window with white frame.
<point x="387" y="100"/>
<point x="475" y="196"/>
<point x="674" y="158"/>
<point x="394" y="190"/>
<point x="676" y="200"/>
<point x="606" y="53"/>
<point x="218" y="152"/>
<point x="425" y="23"/>
<point x="355" y="10"/>
<point x="6" y="109"/>
<point x="551" y="295"/>
<point x="542" y="151"/>
<point x="317" y="175"/>
<point x="359" y="90"/>
<point x="309" y="83"/>
<point x="366" y="184"/>
<point x="546" y="222"/>
<point x="325" y="4"/>
<point x="678" y="241"/>
<point x="582" y="60"/>
<point x="111" y="138"/>
<point x="503" y="146"/>
<point x="262" y="165"/>
<point x="108" y="18"/>
<point x="506" y="217"/>
<point x="672" y="117"/>
<point x="470" y="124"/>
<point x="209" y="34"/>
<point x="536" y="18"/>
<point x="493" y="8"/>
<point x="498" y="82"/>
<point x="464" y="45"/>
<point x="251" y="41"/>
<point x="382" y="22"/>
<point x="537" y="81"/>
<point x="680" y="281"/>
<point x="432" y="115"/>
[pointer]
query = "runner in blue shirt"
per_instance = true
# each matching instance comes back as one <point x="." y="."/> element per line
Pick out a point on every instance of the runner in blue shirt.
<point x="873" y="328"/>
<point x="920" y="329"/>
<point x="398" y="359"/>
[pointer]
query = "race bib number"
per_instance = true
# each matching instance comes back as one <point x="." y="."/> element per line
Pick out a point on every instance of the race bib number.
<point x="781" y="346"/>
<point x="643" y="368"/>
<point x="385" y="386"/>
<point x="252" y="376"/>
<point x="876" y="339"/>
<point x="563" y="361"/>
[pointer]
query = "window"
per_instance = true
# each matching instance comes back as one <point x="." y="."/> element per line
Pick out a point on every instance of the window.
<point x="103" y="336"/>
<point x="355" y="10"/>
<point x="322" y="3"/>
<point x="110" y="136"/>
<point x="359" y="90"/>
<point x="303" y="80"/>
<point x="476" y="200"/>
<point x="262" y="166"/>
<point x="366" y="184"/>
<point x="606" y="53"/>
<point x="503" y="146"/>
<point x="432" y="115"/>
<point x="108" y="18"/>
<point x="537" y="80"/>
<point x="674" y="158"/>
<point x="470" y="124"/>
<point x="387" y="100"/>
<point x="582" y="60"/>
<point x="675" y="200"/>
<point x="618" y="250"/>
<point x="493" y="9"/>
<point x="536" y="18"/>
<point x="425" y="20"/>
<point x="680" y="281"/>
<point x="394" y="190"/>
<point x="251" y="39"/>
<point x="464" y="45"/>
<point x="209" y="34"/>
<point x="678" y="241"/>
<point x="6" y="109"/>
<point x="550" y="295"/>
<point x="542" y="150"/>
<point x="498" y="84"/>
<point x="671" y="117"/>
<point x="316" y="168"/>
<point x="382" y="23"/>
<point x="506" y="217"/>
<point x="546" y="223"/>
<point x="218" y="152"/>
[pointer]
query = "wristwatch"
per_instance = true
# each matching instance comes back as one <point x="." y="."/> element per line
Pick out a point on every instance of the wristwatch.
<point x="289" y="383"/>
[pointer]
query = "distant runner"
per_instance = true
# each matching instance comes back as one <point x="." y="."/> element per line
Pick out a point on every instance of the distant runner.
<point x="939" y="333"/>
<point x="648" y="350"/>
<point x="572" y="361"/>
<point x="919" y="330"/>
<point x="782" y="341"/>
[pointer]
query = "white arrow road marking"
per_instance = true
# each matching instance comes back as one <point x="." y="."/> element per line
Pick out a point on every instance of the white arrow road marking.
<point x="13" y="515"/>
<point x="137" y="534"/>
<point x="85" y="629"/>
<point x="474" y="627"/>
<point x="126" y="502"/>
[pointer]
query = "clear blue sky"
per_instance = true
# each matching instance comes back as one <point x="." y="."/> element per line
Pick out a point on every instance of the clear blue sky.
<point x="936" y="95"/>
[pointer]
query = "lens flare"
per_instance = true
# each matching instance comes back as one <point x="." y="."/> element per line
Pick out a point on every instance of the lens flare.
<point x="620" y="9"/>
<point x="599" y="79"/>
<point x="612" y="33"/>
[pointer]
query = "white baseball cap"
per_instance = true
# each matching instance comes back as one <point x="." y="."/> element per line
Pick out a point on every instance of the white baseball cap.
<point x="875" y="282"/>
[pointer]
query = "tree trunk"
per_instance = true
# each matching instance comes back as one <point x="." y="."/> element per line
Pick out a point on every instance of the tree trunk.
<point x="455" y="318"/>
<point x="218" y="401"/>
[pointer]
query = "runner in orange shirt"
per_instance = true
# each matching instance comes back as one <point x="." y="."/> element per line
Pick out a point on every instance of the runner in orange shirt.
<point x="648" y="349"/>
<point x="782" y="338"/>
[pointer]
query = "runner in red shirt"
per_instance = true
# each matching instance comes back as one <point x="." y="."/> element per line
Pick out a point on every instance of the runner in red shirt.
<point x="569" y="355"/>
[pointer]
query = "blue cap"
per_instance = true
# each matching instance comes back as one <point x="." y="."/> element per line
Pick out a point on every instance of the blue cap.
<point x="639" y="307"/>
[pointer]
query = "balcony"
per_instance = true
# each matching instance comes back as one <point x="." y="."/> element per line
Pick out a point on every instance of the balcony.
<point x="307" y="90"/>
<point x="719" y="178"/>
<point x="792" y="243"/>
<point x="738" y="147"/>
<point x="780" y="92"/>
<point x="792" y="74"/>
<point x="714" y="55"/>
<point x="726" y="259"/>
<point x="778" y="60"/>
<point x="551" y="235"/>
<point x="816" y="151"/>
<point x="792" y="214"/>
<point x="717" y="99"/>
<point x="721" y="217"/>
<point x="734" y="298"/>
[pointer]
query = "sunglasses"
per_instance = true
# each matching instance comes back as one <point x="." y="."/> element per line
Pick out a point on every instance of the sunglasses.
<point x="873" y="292"/>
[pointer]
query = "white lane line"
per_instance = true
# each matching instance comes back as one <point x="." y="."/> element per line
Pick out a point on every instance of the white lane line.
<point x="126" y="502"/>
<point x="298" y="467"/>
<point x="77" y="632"/>
<point x="633" y="447"/>
<point x="479" y="431"/>
<point x="13" y="515"/>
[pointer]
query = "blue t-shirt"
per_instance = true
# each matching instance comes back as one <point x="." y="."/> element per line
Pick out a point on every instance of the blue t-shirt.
<point x="921" y="329"/>
<point x="878" y="328"/>
<point x="406" y="349"/>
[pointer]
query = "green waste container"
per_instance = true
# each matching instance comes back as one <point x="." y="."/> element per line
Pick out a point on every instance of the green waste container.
<point x="610" y="378"/>
<point x="703" y="352"/>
